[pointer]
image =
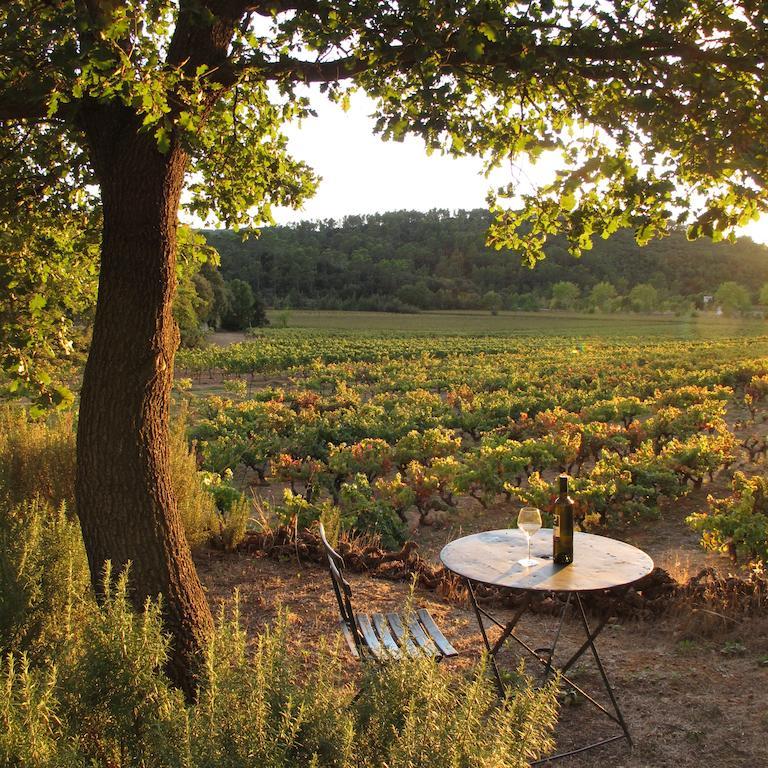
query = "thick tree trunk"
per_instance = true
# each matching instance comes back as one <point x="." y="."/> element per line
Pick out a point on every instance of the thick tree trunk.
<point x="125" y="500"/>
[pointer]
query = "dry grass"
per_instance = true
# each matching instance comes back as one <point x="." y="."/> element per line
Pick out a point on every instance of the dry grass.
<point x="37" y="458"/>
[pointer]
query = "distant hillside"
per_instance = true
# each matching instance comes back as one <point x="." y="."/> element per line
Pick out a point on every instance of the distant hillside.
<point x="439" y="260"/>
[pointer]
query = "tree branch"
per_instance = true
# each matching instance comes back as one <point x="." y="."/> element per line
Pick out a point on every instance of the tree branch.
<point x="591" y="62"/>
<point x="314" y="71"/>
<point x="21" y="105"/>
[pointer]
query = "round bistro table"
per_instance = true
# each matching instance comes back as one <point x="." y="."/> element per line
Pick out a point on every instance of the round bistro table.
<point x="491" y="559"/>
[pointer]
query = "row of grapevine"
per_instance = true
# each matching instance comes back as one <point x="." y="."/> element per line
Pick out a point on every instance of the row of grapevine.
<point x="374" y="429"/>
<point x="484" y="363"/>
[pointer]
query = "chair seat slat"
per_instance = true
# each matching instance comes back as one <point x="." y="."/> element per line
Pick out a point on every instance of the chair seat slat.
<point x="369" y="636"/>
<point x="385" y="638"/>
<point x="420" y="637"/>
<point x="399" y="632"/>
<point x="347" y="632"/>
<point x="383" y="631"/>
<point x="446" y="649"/>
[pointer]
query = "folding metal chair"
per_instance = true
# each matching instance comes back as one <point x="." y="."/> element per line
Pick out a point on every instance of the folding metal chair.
<point x="382" y="637"/>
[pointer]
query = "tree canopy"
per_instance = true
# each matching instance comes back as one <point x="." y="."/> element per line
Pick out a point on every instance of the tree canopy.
<point x="732" y="297"/>
<point x="657" y="109"/>
<point x="657" y="112"/>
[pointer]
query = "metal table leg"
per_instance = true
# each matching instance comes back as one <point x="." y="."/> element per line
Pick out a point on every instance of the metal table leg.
<point x="507" y="630"/>
<point x="548" y="662"/>
<point x="598" y="661"/>
<point x="551" y="651"/>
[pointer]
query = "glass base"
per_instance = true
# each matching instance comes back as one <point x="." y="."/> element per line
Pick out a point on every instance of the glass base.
<point x="529" y="561"/>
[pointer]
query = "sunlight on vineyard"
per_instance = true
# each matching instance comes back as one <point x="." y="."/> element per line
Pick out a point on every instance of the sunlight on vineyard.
<point x="391" y="431"/>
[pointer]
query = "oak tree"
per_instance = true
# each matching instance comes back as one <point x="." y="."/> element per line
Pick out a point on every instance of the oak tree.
<point x="657" y="110"/>
<point x="732" y="297"/>
<point x="565" y="294"/>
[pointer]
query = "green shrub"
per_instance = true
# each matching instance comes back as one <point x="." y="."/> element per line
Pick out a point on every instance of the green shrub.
<point x="44" y="579"/>
<point x="105" y="702"/>
<point x="225" y="495"/>
<point x="37" y="458"/>
<point x="117" y="705"/>
<point x="420" y="717"/>
<point x="28" y="707"/>
<point x="368" y="513"/>
<point x="108" y="703"/>
<point x="737" y="524"/>
<point x="236" y="386"/>
<point x="359" y="509"/>
<point x="233" y="525"/>
<point x="296" y="510"/>
<point x="83" y="685"/>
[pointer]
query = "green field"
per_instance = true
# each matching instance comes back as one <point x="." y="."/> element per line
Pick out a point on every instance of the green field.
<point x="704" y="326"/>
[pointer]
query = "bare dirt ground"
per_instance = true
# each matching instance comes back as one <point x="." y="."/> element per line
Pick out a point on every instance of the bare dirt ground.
<point x="691" y="697"/>
<point x="225" y="338"/>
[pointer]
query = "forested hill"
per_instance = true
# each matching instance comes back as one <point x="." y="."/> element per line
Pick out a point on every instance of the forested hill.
<point x="439" y="260"/>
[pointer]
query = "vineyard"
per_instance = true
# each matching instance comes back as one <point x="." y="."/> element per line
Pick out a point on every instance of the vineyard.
<point x="378" y="433"/>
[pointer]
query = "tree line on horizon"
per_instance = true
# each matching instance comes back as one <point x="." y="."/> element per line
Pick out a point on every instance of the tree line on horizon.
<point x="413" y="261"/>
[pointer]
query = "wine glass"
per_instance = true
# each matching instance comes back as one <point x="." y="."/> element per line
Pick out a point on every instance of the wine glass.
<point x="529" y="521"/>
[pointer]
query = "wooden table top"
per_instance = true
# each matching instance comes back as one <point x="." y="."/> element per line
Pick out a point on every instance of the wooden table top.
<point x="598" y="562"/>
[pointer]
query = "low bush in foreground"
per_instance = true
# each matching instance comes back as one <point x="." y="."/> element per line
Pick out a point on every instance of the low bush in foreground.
<point x="83" y="685"/>
<point x="44" y="581"/>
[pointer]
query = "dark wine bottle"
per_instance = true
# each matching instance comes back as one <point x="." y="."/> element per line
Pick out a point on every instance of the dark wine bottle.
<point x="562" y="525"/>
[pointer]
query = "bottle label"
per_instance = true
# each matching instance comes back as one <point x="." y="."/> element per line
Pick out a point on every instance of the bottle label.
<point x="555" y="525"/>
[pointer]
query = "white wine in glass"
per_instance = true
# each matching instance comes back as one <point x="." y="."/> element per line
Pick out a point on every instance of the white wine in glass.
<point x="529" y="521"/>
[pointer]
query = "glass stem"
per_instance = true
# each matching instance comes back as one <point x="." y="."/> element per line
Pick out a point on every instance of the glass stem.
<point x="529" y="546"/>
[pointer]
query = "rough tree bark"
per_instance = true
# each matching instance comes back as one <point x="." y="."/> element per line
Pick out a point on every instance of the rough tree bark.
<point x="125" y="501"/>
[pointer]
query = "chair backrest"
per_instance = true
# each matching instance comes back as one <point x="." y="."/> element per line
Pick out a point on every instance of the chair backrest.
<point x="341" y="588"/>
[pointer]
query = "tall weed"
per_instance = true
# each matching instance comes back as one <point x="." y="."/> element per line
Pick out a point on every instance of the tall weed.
<point x="37" y="458"/>
<point x="196" y="505"/>
<point x="44" y="579"/>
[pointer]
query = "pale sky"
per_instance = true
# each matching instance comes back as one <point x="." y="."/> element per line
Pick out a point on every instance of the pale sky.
<point x="363" y="174"/>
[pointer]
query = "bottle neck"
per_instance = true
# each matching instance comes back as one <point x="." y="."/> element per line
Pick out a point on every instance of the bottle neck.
<point x="563" y="485"/>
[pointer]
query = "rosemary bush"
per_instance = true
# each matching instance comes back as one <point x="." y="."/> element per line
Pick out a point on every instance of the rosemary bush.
<point x="44" y="580"/>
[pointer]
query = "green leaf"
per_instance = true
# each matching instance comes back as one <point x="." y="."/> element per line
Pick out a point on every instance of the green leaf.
<point x="163" y="139"/>
<point x="37" y="411"/>
<point x="37" y="303"/>
<point x="62" y="397"/>
<point x="486" y="29"/>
